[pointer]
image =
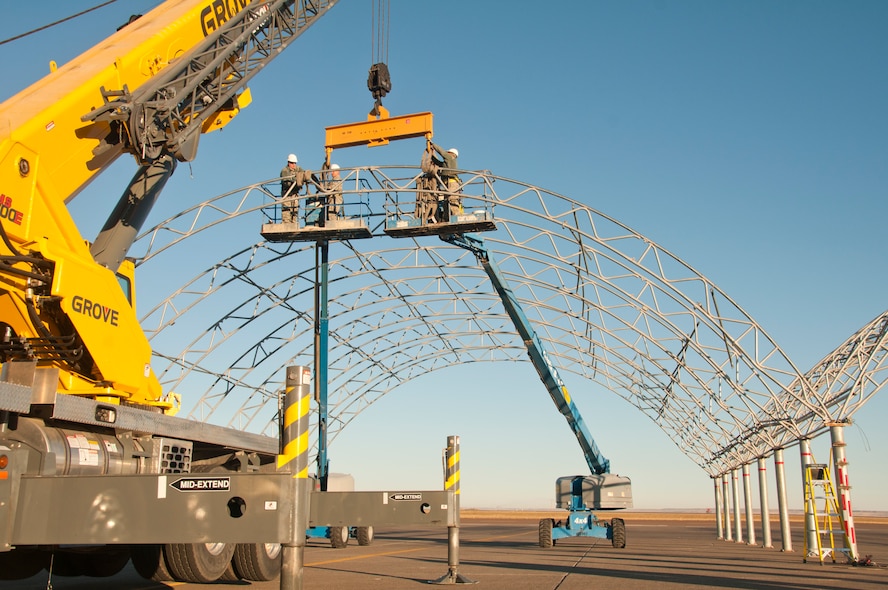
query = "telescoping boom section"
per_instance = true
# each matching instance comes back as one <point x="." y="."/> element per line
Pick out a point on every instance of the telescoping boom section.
<point x="580" y="494"/>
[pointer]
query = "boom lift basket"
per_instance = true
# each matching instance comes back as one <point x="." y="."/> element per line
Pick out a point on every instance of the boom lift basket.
<point x="607" y="491"/>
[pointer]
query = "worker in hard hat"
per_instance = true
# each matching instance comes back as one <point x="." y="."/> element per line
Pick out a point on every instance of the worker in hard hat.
<point x="292" y="178"/>
<point x="333" y="187"/>
<point x="427" y="190"/>
<point x="447" y="167"/>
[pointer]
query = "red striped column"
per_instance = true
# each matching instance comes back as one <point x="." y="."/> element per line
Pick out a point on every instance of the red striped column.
<point x="843" y="486"/>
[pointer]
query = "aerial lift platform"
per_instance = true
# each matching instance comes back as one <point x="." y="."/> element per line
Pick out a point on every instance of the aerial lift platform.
<point x="316" y="221"/>
<point x="579" y="494"/>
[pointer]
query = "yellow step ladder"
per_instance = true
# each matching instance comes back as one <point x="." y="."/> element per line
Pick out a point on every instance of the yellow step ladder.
<point x="824" y="524"/>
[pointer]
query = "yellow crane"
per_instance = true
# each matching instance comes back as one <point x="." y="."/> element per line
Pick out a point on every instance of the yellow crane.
<point x="76" y="378"/>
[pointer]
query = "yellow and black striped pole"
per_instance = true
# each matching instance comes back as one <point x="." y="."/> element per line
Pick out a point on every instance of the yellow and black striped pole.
<point x="294" y="459"/>
<point x="451" y="467"/>
<point x="294" y="434"/>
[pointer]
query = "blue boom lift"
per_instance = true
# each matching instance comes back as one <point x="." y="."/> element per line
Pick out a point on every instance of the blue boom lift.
<point x="579" y="494"/>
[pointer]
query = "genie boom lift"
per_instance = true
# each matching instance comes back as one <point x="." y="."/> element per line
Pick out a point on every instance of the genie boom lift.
<point x="579" y="494"/>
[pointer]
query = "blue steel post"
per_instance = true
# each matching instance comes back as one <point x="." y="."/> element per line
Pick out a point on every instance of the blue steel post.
<point x="322" y="250"/>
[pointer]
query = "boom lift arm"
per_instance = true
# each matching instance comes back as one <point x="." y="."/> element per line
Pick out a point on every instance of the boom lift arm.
<point x="576" y="493"/>
<point x="535" y="350"/>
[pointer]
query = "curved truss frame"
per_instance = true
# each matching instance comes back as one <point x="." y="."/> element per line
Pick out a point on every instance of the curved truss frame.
<point x="611" y="306"/>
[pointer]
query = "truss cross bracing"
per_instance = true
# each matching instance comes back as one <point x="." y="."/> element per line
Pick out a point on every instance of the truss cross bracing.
<point x="609" y="305"/>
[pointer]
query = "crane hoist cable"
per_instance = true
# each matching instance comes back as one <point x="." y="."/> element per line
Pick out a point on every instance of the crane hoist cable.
<point x="379" y="81"/>
<point x="58" y="22"/>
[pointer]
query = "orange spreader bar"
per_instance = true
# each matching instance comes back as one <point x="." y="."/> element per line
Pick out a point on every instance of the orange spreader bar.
<point x="374" y="132"/>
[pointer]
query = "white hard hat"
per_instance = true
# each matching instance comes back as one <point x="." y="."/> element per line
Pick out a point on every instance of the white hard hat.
<point x="454" y="152"/>
<point x="292" y="158"/>
<point x="334" y="166"/>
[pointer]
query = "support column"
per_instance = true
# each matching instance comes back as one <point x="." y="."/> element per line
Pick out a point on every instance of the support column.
<point x="782" y="506"/>
<point x="729" y="535"/>
<point x="719" y="524"/>
<point x="294" y="458"/>
<point x="735" y="496"/>
<point x="451" y="482"/>
<point x="747" y="504"/>
<point x="810" y="521"/>
<point x="321" y="344"/>
<point x="763" y="503"/>
<point x="837" y="434"/>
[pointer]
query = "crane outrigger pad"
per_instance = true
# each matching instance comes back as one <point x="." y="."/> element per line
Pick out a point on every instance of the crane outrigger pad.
<point x="476" y="221"/>
<point x="334" y="229"/>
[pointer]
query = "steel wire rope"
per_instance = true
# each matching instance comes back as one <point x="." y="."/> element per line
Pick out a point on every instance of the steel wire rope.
<point x="58" y="22"/>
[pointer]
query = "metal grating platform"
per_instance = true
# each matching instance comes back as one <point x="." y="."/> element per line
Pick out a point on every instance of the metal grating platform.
<point x="340" y="229"/>
<point x="458" y="224"/>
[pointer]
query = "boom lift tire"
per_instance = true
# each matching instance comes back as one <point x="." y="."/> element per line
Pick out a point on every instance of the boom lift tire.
<point x="546" y="525"/>
<point x="150" y="563"/>
<point x="618" y="532"/>
<point x="257" y="562"/>
<point x="339" y="537"/>
<point x="364" y="535"/>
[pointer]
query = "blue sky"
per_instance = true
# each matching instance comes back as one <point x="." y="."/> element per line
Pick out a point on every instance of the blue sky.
<point x="748" y="138"/>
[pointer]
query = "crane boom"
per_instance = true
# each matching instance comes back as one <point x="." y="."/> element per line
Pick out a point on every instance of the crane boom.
<point x="150" y="89"/>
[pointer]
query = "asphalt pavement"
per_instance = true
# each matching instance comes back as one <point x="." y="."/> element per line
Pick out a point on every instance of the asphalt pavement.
<point x="504" y="554"/>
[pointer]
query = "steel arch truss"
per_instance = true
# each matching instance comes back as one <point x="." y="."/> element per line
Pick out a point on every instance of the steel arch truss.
<point x="611" y="307"/>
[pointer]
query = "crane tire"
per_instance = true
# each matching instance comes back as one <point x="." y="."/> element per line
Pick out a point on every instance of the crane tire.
<point x="22" y="563"/>
<point x="93" y="562"/>
<point x="150" y="563"/>
<point x="199" y="563"/>
<point x="257" y="562"/>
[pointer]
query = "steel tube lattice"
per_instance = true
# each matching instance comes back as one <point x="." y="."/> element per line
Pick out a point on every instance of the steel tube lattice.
<point x="610" y="305"/>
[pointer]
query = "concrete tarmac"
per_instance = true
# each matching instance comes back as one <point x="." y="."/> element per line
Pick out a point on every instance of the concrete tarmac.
<point x="503" y="554"/>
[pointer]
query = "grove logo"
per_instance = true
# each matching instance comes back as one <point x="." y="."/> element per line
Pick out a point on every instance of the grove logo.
<point x="94" y="310"/>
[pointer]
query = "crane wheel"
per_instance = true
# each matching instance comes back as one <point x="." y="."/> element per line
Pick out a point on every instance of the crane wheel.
<point x="22" y="563"/>
<point x="257" y="562"/>
<point x="199" y="563"/>
<point x="94" y="562"/>
<point x="150" y="562"/>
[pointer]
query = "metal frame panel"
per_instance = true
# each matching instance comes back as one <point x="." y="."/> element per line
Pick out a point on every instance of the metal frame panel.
<point x="83" y="411"/>
<point x="433" y="508"/>
<point x="151" y="509"/>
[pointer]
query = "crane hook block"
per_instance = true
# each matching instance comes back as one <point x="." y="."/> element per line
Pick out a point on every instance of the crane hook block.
<point x="378" y="81"/>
